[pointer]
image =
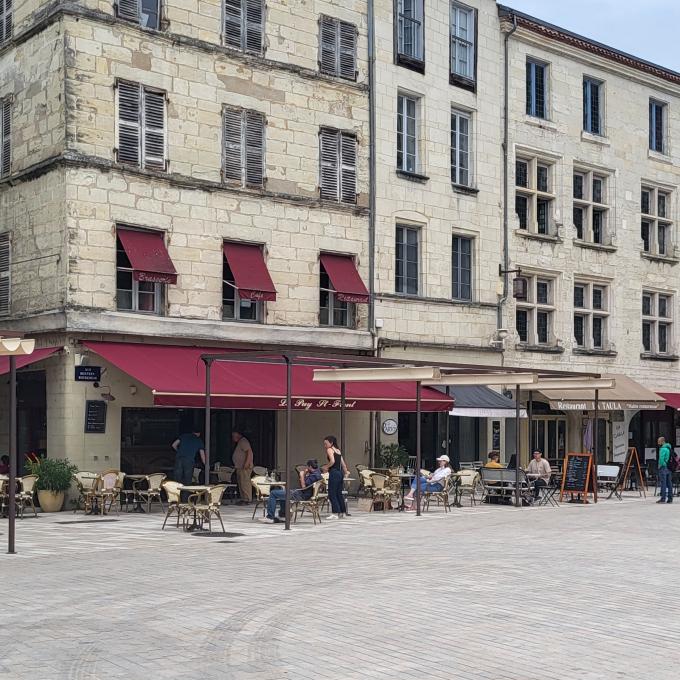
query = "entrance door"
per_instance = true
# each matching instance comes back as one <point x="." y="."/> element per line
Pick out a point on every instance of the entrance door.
<point x="549" y="436"/>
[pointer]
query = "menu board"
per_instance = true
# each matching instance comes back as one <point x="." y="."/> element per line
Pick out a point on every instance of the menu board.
<point x="95" y="417"/>
<point x="577" y="472"/>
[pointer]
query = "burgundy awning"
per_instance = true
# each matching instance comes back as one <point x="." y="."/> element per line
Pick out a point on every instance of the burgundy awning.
<point x="28" y="359"/>
<point x="251" y="275"/>
<point x="345" y="278"/>
<point x="148" y="256"/>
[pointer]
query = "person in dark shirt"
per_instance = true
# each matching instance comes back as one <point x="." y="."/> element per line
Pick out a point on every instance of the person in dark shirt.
<point x="308" y="477"/>
<point x="186" y="447"/>
<point x="4" y="465"/>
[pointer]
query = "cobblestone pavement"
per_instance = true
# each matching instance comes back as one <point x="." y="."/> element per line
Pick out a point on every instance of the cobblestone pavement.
<point x="488" y="593"/>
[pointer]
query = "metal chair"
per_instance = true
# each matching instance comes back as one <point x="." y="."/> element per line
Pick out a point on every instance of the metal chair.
<point x="24" y="496"/>
<point x="469" y="484"/>
<point x="440" y="497"/>
<point x="154" y="484"/>
<point x="261" y="489"/>
<point x="105" y="489"/>
<point x="85" y="482"/>
<point x="381" y="491"/>
<point x="205" y="511"/>
<point x="312" y="504"/>
<point x="175" y="506"/>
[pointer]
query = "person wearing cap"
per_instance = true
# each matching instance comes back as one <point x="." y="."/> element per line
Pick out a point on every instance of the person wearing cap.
<point x="434" y="482"/>
<point x="308" y="477"/>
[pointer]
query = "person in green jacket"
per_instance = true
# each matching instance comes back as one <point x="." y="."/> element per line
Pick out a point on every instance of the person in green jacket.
<point x="665" y="473"/>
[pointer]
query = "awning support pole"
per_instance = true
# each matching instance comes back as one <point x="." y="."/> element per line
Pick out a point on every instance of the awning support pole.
<point x="208" y="370"/>
<point x="343" y="397"/>
<point x="418" y="447"/>
<point x="12" y="454"/>
<point x="530" y="414"/>
<point x="518" y="458"/>
<point x="595" y="443"/>
<point x="289" y="427"/>
<point x="448" y="432"/>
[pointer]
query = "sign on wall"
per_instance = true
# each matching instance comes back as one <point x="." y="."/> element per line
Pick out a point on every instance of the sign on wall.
<point x="88" y="373"/>
<point x="95" y="417"/>
<point x="390" y="426"/>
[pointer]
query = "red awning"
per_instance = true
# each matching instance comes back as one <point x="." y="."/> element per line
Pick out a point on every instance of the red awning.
<point x="148" y="256"/>
<point x="345" y="278"/>
<point x="672" y="399"/>
<point x="28" y="359"/>
<point x="251" y="275"/>
<point x="176" y="375"/>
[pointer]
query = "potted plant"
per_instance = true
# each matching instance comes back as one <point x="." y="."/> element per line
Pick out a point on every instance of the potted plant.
<point x="54" y="479"/>
<point x="392" y="456"/>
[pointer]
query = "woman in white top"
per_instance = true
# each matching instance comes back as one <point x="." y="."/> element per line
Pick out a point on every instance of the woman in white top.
<point x="435" y="482"/>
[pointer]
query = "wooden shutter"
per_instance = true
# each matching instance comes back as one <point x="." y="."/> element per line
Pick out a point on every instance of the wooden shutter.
<point x="328" y="45"/>
<point x="254" y="25"/>
<point x="329" y="163"/>
<point x="254" y="148"/>
<point x="4" y="274"/>
<point x="348" y="51"/>
<point x="5" y="20"/>
<point x="6" y="136"/>
<point x="129" y="9"/>
<point x="154" y="129"/>
<point x="232" y="127"/>
<point x="348" y="168"/>
<point x="233" y="23"/>
<point x="129" y="133"/>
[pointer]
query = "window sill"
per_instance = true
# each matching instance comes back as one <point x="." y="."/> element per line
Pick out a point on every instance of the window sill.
<point x="648" y="356"/>
<point x="665" y="259"/>
<point x="410" y="63"/>
<point x="525" y="233"/>
<point x="583" y="351"/>
<point x="412" y="176"/>
<point x="660" y="157"/>
<point x="404" y="297"/>
<point x="542" y="349"/>
<point x="594" y="139"/>
<point x="463" y="189"/>
<point x="542" y="123"/>
<point x="594" y="246"/>
<point x="462" y="82"/>
<point x="250" y="322"/>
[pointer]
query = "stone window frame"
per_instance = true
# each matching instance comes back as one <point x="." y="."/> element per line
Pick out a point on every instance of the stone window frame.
<point x="403" y="99"/>
<point x="243" y="160"/>
<point x="654" y="319"/>
<point x="456" y="170"/>
<point x="532" y="104"/>
<point x="589" y="312"/>
<point x="651" y="222"/>
<point x="533" y="195"/>
<point x="658" y="129"/>
<point x="589" y="207"/>
<point x="466" y="80"/>
<point x="418" y="230"/>
<point x="333" y="304"/>
<point x="240" y="34"/>
<point x="338" y="169"/>
<point x="533" y="308"/>
<point x="416" y="60"/>
<point x="6" y="23"/>
<point x="134" y="11"/>
<point x="338" y="48"/>
<point x="593" y="113"/>
<point x="456" y="266"/>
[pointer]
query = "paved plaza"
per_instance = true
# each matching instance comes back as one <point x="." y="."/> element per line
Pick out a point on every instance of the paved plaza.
<point x="488" y="593"/>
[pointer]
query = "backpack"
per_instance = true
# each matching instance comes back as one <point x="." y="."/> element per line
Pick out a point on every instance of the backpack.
<point x="673" y="462"/>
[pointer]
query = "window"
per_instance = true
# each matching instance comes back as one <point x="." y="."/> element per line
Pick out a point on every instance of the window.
<point x="460" y="149"/>
<point x="462" y="41"/>
<point x="462" y="268"/>
<point x="407" y="260"/>
<point x="146" y="13"/>
<point x="410" y="16"/>
<point x="591" y="315"/>
<point x="337" y="48"/>
<point x="141" y="126"/>
<point x="656" y="227"/>
<point x="333" y="311"/>
<point x="133" y="295"/>
<point x="534" y="316"/>
<point x="407" y="133"/>
<point x="235" y="308"/>
<point x="5" y="20"/>
<point x="657" y="322"/>
<point x="590" y="208"/>
<point x="592" y="107"/>
<point x="338" y="171"/>
<point x="244" y="25"/>
<point x="244" y="139"/>
<point x="5" y="273"/>
<point x="534" y="197"/>
<point x="5" y="137"/>
<point x="657" y="126"/>
<point x="537" y="75"/>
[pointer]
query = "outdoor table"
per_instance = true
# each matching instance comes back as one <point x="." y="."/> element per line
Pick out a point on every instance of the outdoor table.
<point x="405" y="477"/>
<point x="136" y="503"/>
<point x="200" y="489"/>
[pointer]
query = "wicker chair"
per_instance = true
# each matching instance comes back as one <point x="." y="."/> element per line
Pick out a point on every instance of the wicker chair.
<point x="365" y="483"/>
<point x="3" y="496"/>
<point x="24" y="496"/>
<point x="440" y="497"/>
<point x="260" y="471"/>
<point x="205" y="511"/>
<point x="314" y="503"/>
<point x="154" y="483"/>
<point x="105" y="489"/>
<point x="175" y="506"/>
<point x="260" y="492"/>
<point x="125" y="495"/>
<point x="85" y="482"/>
<point x="381" y="491"/>
<point x="469" y="484"/>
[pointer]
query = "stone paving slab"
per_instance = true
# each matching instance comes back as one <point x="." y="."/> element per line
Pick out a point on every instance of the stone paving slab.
<point x="483" y="593"/>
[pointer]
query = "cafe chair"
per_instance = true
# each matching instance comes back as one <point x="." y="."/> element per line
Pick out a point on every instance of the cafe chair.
<point x="441" y="497"/>
<point x="260" y="471"/>
<point x="85" y="484"/>
<point x="469" y="484"/>
<point x="24" y="496"/>
<point x="154" y="484"/>
<point x="365" y="483"/>
<point x="105" y="490"/>
<point x="205" y="511"/>
<point x="313" y="504"/>
<point x="175" y="507"/>
<point x="260" y="492"/>
<point x="381" y="491"/>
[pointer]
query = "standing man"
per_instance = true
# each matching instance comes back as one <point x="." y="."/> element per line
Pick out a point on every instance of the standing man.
<point x="665" y="472"/>
<point x="186" y="447"/>
<point x="243" y="462"/>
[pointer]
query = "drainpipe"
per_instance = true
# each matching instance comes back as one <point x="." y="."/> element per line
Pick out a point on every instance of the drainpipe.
<point x="371" y="170"/>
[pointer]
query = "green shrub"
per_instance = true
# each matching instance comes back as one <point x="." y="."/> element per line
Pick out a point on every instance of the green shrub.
<point x="392" y="456"/>
<point x="54" y="474"/>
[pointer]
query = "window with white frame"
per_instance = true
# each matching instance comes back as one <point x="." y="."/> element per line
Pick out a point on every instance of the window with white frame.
<point x="338" y="165"/>
<point x="462" y="41"/>
<point x="536" y="89"/>
<point x="244" y="142"/>
<point x="5" y="137"/>
<point x="407" y="133"/>
<point x="534" y="317"/>
<point x="591" y="206"/>
<point x="410" y="17"/>
<point x="657" y="322"/>
<point x="591" y="315"/>
<point x="656" y="225"/>
<point x="534" y="195"/>
<point x="461" y="267"/>
<point x="461" y="124"/>
<point x="333" y="311"/>
<point x="5" y="20"/>
<point x="5" y="273"/>
<point x="407" y="264"/>
<point x="234" y="307"/>
<point x="244" y="25"/>
<point x="133" y="295"/>
<point x="658" y="116"/>
<point x="146" y="13"/>
<point x="592" y="106"/>
<point x="337" y="48"/>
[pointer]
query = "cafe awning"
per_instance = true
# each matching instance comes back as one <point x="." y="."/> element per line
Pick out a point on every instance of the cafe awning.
<point x="148" y="256"/>
<point x="479" y="401"/>
<point x="625" y="395"/>
<point x="251" y="276"/>
<point x="672" y="399"/>
<point x="176" y="376"/>
<point x="27" y="360"/>
<point x="345" y="278"/>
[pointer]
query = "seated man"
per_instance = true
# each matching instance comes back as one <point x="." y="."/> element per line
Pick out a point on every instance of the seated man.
<point x="435" y="482"/>
<point x="539" y="472"/>
<point x="308" y="477"/>
<point x="494" y="460"/>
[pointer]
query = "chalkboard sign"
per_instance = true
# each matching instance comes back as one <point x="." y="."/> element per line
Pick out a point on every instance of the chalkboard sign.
<point x="95" y="417"/>
<point x="577" y="473"/>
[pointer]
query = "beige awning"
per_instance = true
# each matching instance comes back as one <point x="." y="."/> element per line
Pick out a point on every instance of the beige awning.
<point x="625" y="395"/>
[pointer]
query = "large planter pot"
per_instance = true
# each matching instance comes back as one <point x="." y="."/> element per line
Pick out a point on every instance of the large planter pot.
<point x="51" y="501"/>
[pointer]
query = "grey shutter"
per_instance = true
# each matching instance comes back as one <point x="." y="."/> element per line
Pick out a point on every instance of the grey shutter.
<point x="233" y="154"/>
<point x="348" y="168"/>
<point x="233" y="23"/>
<point x="254" y="10"/>
<point x="6" y="136"/>
<point x="328" y="45"/>
<point x="348" y="51"/>
<point x="129" y="9"/>
<point x="129" y="134"/>
<point x="154" y="129"/>
<point x="254" y="147"/>
<point x="4" y="274"/>
<point x="5" y="20"/>
<point x="329" y="162"/>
